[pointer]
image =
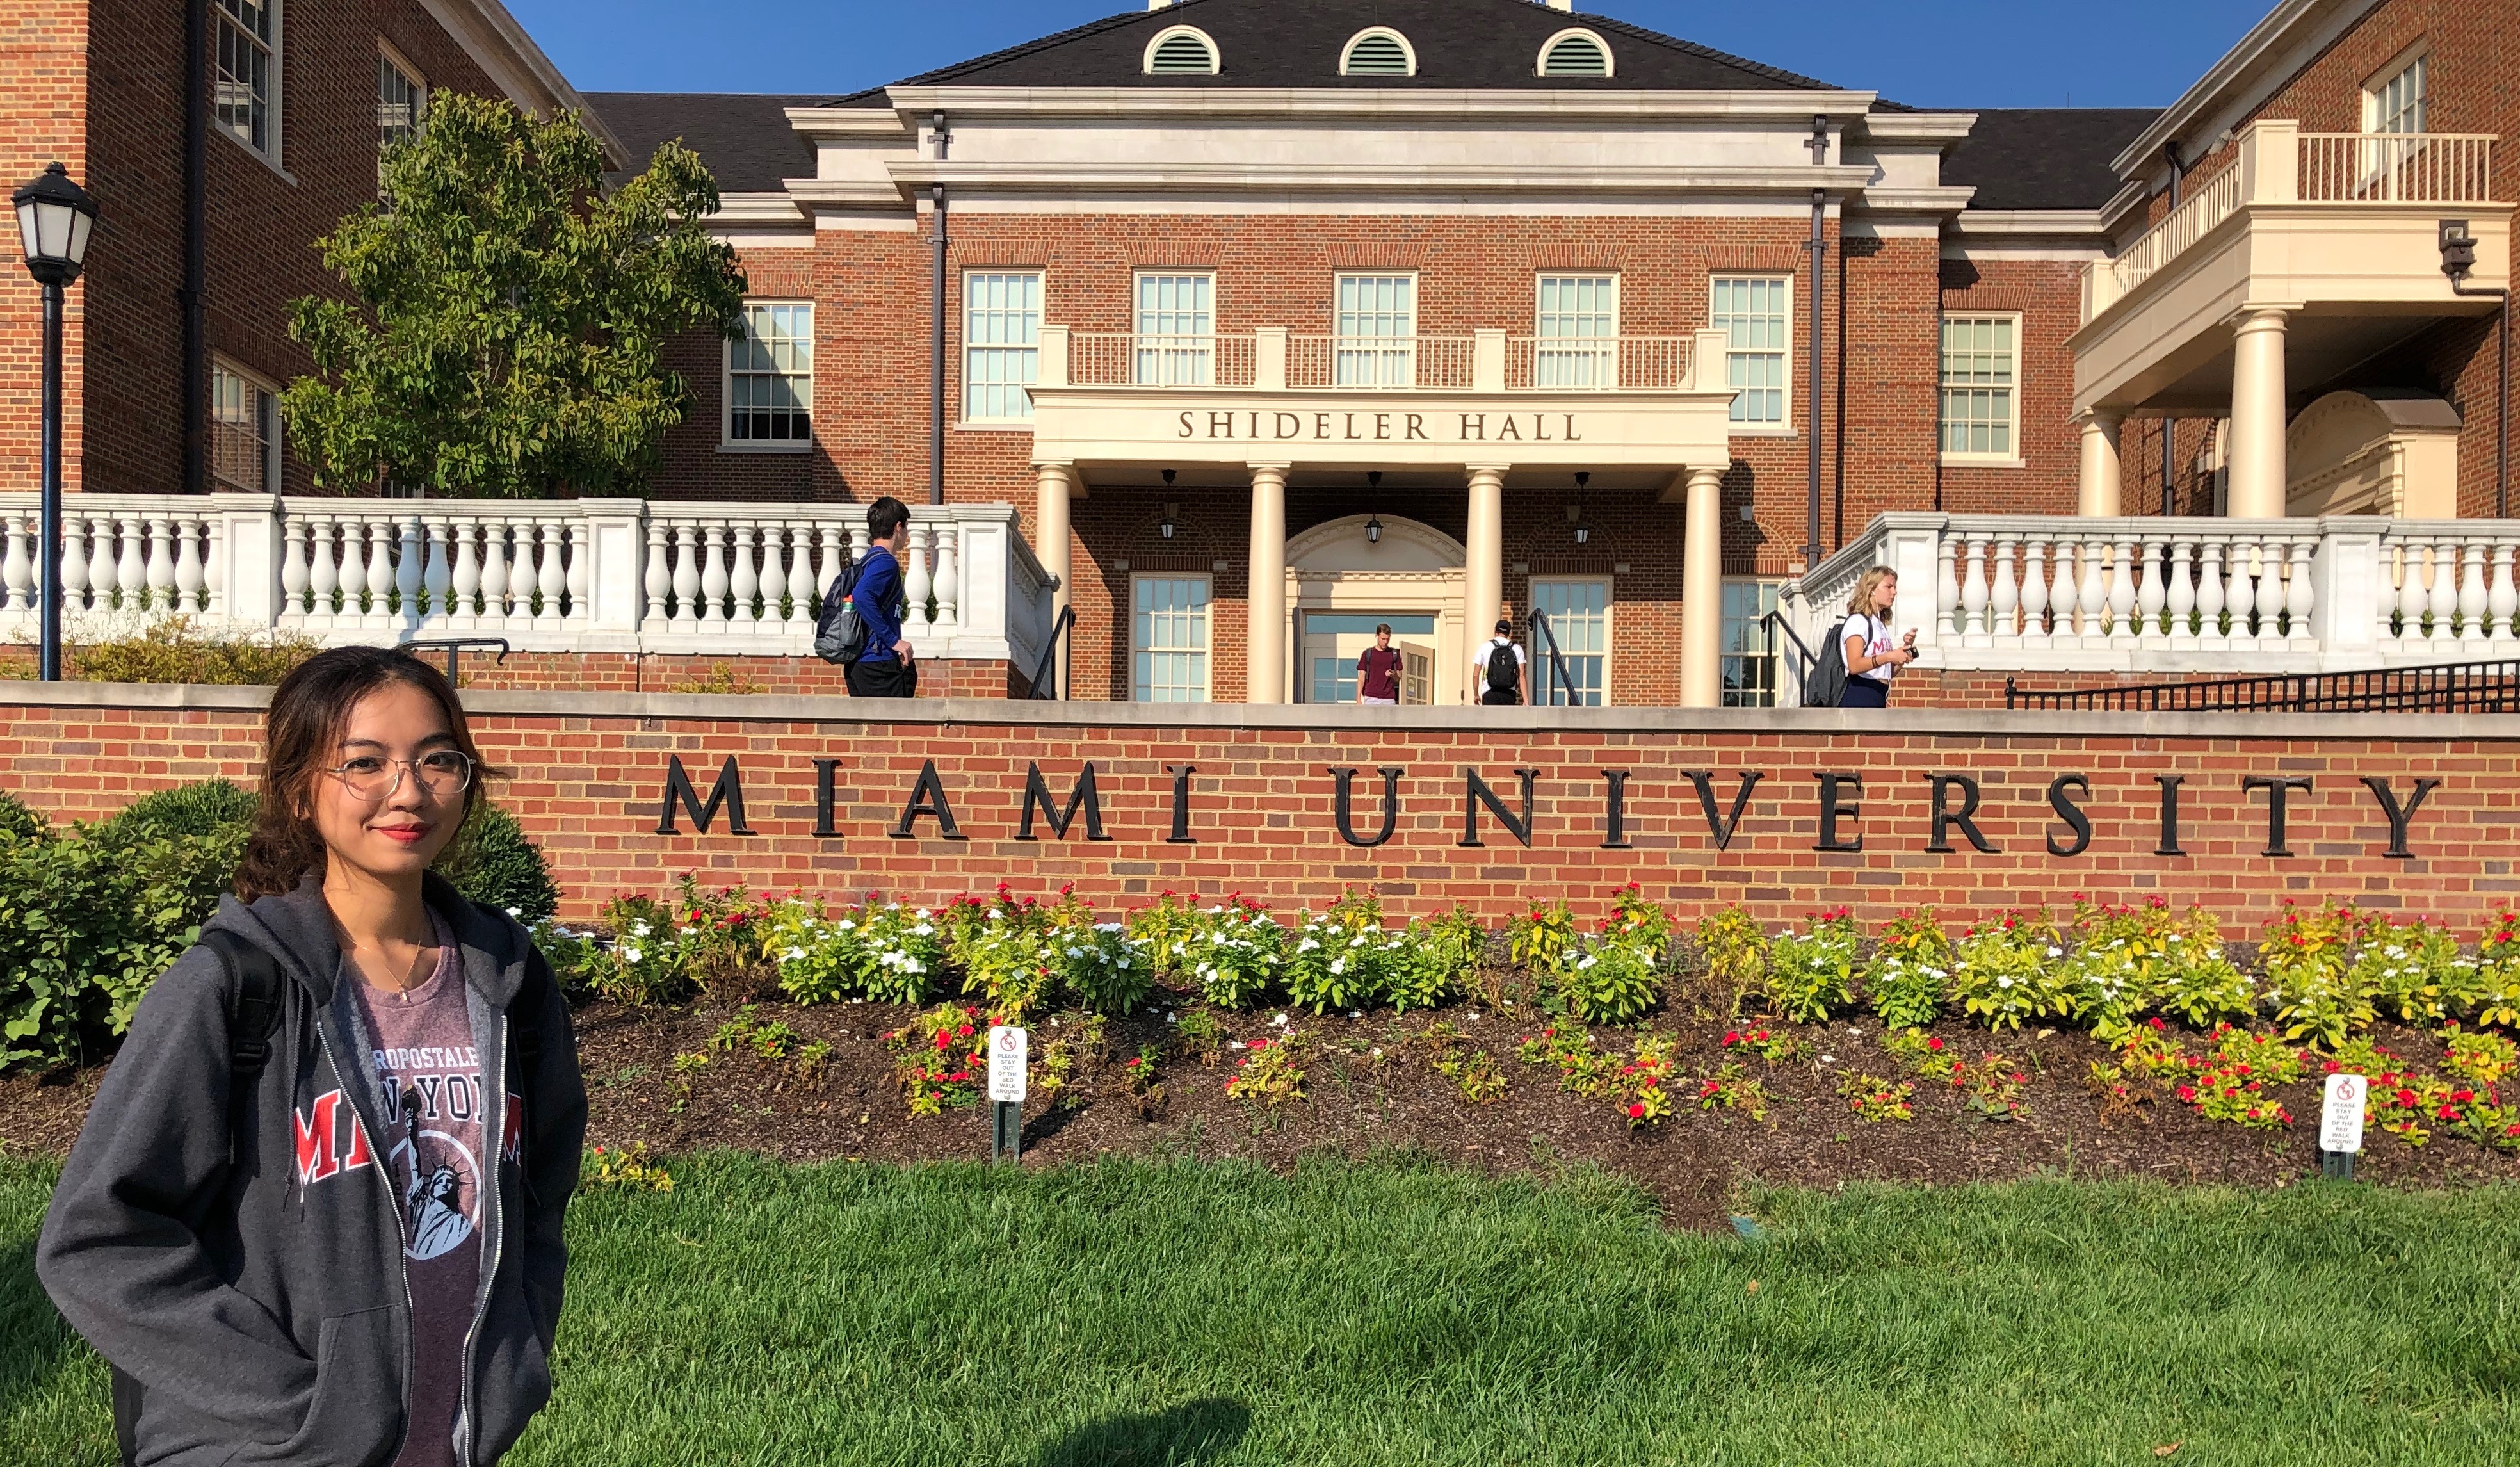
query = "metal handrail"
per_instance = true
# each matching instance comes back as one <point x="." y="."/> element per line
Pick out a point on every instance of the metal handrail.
<point x="2486" y="687"/>
<point x="1774" y="623"/>
<point x="454" y="647"/>
<point x="1060" y="628"/>
<point x="1556" y="660"/>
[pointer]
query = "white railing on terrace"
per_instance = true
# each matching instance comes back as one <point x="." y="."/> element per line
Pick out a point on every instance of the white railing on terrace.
<point x="2274" y="162"/>
<point x="2152" y="595"/>
<point x="553" y="576"/>
<point x="1272" y="359"/>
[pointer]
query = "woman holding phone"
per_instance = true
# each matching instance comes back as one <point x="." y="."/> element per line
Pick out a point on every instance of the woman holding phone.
<point x="1872" y="659"/>
<point x="314" y="1216"/>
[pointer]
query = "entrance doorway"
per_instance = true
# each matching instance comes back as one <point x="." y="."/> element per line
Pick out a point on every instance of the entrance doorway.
<point x="1333" y="641"/>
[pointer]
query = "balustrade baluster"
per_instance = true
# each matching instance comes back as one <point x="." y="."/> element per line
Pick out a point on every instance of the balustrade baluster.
<point x="2153" y="593"/>
<point x="2122" y="590"/>
<point x="687" y="578"/>
<point x="2091" y="624"/>
<point x="411" y="567"/>
<point x="774" y="578"/>
<point x="579" y="580"/>
<point x="915" y="580"/>
<point x="2502" y="599"/>
<point x="2178" y="598"/>
<point x="465" y="583"/>
<point x="2471" y="592"/>
<point x="2212" y="600"/>
<point x="2034" y="589"/>
<point x="1946" y="592"/>
<point x="552" y="580"/>
<point x="2239" y="597"/>
<point x="494" y="573"/>
<point x="186" y="573"/>
<point x="658" y="582"/>
<point x="743" y="582"/>
<point x="2410" y="591"/>
<point x="834" y="541"/>
<point x="323" y="571"/>
<point x="1973" y="591"/>
<point x="948" y="589"/>
<point x="214" y="569"/>
<point x="74" y="564"/>
<point x="131" y="573"/>
<point x="2442" y="604"/>
<point x="382" y="536"/>
<point x="101" y="563"/>
<point x="17" y="568"/>
<point x="2300" y="596"/>
<point x="160" y="575"/>
<point x="800" y="576"/>
<point x="437" y="574"/>
<point x="713" y="577"/>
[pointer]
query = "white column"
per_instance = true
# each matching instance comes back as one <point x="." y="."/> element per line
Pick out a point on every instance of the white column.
<point x="1264" y="642"/>
<point x="1483" y="576"/>
<point x="1052" y="484"/>
<point x="2257" y="471"/>
<point x="2101" y="479"/>
<point x="1702" y="590"/>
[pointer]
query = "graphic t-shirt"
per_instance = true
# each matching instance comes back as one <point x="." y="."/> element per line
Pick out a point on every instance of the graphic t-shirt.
<point x="430" y="1073"/>
<point x="1378" y="672"/>
<point x="1876" y="633"/>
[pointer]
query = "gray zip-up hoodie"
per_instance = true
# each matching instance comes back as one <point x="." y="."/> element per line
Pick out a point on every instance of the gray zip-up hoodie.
<point x="266" y="1315"/>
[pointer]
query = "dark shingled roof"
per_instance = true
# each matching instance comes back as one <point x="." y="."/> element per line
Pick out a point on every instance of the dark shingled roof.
<point x="742" y="136"/>
<point x="2044" y="157"/>
<point x="1296" y="43"/>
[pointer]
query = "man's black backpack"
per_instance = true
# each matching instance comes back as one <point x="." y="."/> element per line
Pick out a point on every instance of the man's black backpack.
<point x="1825" y="685"/>
<point x="253" y="993"/>
<point x="839" y="635"/>
<point x="1504" y="667"/>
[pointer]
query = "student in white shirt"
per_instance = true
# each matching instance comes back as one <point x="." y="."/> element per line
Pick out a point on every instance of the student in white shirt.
<point x="1504" y="688"/>
<point x="1872" y="659"/>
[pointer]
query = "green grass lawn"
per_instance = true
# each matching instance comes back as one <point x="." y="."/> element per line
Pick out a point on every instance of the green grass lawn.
<point x="1388" y="1314"/>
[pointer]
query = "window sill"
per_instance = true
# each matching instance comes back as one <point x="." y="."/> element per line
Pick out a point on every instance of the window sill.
<point x="1763" y="430"/>
<point x="250" y="151"/>
<point x="994" y="425"/>
<point x="773" y="449"/>
<point x="1983" y="461"/>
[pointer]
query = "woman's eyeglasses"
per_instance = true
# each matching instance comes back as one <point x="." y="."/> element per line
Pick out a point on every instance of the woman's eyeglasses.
<point x="372" y="776"/>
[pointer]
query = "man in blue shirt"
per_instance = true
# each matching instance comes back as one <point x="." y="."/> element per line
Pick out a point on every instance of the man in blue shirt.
<point x="885" y="668"/>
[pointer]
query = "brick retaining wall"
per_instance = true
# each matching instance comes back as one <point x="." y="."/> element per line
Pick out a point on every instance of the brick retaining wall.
<point x="588" y="777"/>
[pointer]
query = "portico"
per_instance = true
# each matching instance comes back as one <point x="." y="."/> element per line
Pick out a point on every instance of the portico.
<point x="1495" y="415"/>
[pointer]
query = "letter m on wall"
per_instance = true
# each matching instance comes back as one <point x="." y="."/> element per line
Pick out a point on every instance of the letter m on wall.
<point x="727" y="792"/>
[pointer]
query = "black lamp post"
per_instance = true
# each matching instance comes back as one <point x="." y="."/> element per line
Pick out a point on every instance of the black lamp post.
<point x="54" y="218"/>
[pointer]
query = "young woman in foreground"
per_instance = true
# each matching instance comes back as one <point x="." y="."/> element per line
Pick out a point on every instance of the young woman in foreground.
<point x="315" y="1212"/>
<point x="1873" y="659"/>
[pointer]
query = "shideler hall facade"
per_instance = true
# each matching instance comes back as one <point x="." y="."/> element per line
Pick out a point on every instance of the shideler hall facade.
<point x="1278" y="319"/>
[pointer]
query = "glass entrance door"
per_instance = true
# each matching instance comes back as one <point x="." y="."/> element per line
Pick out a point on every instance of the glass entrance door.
<point x="1334" y="640"/>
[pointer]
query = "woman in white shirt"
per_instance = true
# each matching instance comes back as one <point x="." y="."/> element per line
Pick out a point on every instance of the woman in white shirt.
<point x="1872" y="659"/>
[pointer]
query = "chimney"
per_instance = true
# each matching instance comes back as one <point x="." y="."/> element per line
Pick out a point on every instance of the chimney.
<point x="1566" y="5"/>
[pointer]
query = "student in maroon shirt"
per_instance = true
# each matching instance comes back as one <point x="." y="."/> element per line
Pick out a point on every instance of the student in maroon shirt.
<point x="1378" y="671"/>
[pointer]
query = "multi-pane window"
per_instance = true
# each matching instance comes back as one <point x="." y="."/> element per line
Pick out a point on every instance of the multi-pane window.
<point x="1577" y="614"/>
<point x="1376" y="331"/>
<point x="1749" y="662"/>
<point x="1001" y="343"/>
<point x="1168" y="639"/>
<point x="1981" y="362"/>
<point x="2398" y="104"/>
<point x="1756" y="315"/>
<point x="1176" y="330"/>
<point x="1578" y="332"/>
<point x="248" y="71"/>
<point x="770" y="375"/>
<point x="243" y="428"/>
<point x="401" y="104"/>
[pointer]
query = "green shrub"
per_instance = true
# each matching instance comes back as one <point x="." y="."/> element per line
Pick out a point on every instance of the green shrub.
<point x="493" y="862"/>
<point x="195" y="809"/>
<point x="87" y="924"/>
<point x="2417" y="971"/>
<point x="1435" y="954"/>
<point x="1608" y="982"/>
<point x="176" y="650"/>
<point x="1911" y="971"/>
<point x="1734" y="948"/>
<point x="1345" y="958"/>
<point x="22" y="820"/>
<point x="1810" y="975"/>
<point x="885" y="952"/>
<point x="2006" y="971"/>
<point x="1234" y="951"/>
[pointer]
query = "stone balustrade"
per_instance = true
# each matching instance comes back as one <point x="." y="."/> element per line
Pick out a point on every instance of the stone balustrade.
<point x="550" y="575"/>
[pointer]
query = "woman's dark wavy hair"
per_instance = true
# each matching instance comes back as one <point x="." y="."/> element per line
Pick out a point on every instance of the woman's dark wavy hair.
<point x="301" y="736"/>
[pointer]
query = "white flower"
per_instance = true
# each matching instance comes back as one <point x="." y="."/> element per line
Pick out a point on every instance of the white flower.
<point x="1277" y="1022"/>
<point x="630" y="954"/>
<point x="1212" y="911"/>
<point x="1475" y="1018"/>
<point x="2004" y="983"/>
<point x="1377" y="1051"/>
<point x="1339" y="965"/>
<point x="845" y="924"/>
<point x="1356" y="1012"/>
<point x="1828" y="1059"/>
<point x="1308" y="945"/>
<point x="794" y="954"/>
<point x="2055" y="952"/>
<point x="639" y="928"/>
<point x="924" y="930"/>
<point x="687" y="931"/>
<point x="516" y="911"/>
<point x="1235" y="1044"/>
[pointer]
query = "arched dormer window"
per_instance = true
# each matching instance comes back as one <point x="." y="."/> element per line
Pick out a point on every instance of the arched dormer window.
<point x="1182" y="51"/>
<point x="1575" y="53"/>
<point x="1379" y="51"/>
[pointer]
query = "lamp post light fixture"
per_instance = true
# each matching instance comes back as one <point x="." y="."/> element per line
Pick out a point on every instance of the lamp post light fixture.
<point x="1373" y="522"/>
<point x="54" y="218"/>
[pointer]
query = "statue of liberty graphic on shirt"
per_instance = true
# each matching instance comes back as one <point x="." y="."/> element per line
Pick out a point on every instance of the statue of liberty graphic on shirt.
<point x="436" y="1207"/>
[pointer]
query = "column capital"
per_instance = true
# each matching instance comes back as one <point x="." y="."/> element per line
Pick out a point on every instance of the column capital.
<point x="1065" y="466"/>
<point x="1281" y="470"/>
<point x="1697" y="474"/>
<point x="2261" y="315"/>
<point x="1498" y="470"/>
<point x="2107" y="419"/>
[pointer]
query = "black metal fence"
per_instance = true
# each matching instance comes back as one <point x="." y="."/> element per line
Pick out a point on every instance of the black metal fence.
<point x="2445" y="688"/>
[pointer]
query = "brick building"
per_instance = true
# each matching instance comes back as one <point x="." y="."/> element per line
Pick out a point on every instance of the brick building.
<point x="1277" y="321"/>
<point x="292" y="98"/>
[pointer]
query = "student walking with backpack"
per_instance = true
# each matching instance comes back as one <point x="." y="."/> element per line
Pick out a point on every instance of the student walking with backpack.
<point x="1870" y="659"/>
<point x="1498" y="668"/>
<point x="314" y="1216"/>
<point x="862" y="615"/>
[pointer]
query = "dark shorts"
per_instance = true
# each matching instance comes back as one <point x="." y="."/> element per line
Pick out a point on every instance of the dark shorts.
<point x="889" y="678"/>
<point x="1865" y="692"/>
<point x="1502" y="697"/>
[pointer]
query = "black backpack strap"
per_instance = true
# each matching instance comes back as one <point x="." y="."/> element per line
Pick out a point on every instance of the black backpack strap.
<point x="253" y="1003"/>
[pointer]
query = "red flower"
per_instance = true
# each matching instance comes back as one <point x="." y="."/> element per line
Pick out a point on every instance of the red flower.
<point x="2187" y="1093"/>
<point x="1735" y="1037"/>
<point x="943" y="1039"/>
<point x="2462" y="1096"/>
<point x="963" y="1032"/>
<point x="2405" y="1097"/>
<point x="2157" y="1024"/>
<point x="1935" y="1045"/>
<point x="2446" y="1112"/>
<point x="1637" y="1112"/>
<point x="2243" y="1069"/>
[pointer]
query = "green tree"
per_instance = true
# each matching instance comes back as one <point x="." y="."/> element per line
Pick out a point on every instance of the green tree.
<point x="510" y="312"/>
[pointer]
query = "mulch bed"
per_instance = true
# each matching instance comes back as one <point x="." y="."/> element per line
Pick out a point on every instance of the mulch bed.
<point x="1359" y="1102"/>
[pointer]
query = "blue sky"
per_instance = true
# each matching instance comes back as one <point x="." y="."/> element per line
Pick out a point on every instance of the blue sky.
<point x="1935" y="53"/>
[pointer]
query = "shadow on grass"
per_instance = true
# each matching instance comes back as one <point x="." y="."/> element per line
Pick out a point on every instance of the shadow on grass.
<point x="1190" y="1435"/>
<point x="34" y="1343"/>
